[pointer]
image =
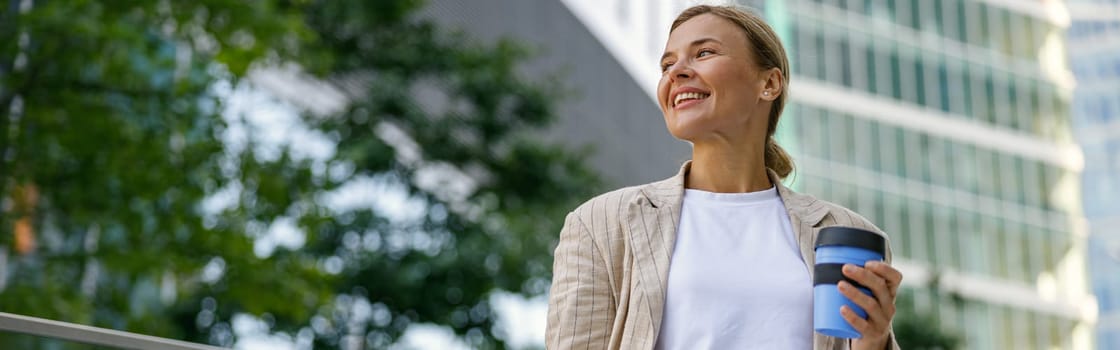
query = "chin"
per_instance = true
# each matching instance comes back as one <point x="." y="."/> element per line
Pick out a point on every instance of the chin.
<point x="689" y="121"/>
<point x="686" y="132"/>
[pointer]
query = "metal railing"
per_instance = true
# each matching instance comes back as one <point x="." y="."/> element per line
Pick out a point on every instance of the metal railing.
<point x="92" y="335"/>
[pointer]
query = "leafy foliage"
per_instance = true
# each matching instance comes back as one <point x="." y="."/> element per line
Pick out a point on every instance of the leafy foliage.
<point x="111" y="129"/>
<point x="917" y="330"/>
<point x="922" y="332"/>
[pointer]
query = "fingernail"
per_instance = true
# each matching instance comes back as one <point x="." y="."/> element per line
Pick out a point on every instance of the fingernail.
<point x="849" y="268"/>
<point x="871" y="263"/>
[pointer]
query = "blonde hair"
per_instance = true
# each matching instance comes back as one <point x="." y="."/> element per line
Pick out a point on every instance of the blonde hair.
<point x="768" y="53"/>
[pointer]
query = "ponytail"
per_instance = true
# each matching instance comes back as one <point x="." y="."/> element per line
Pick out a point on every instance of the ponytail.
<point x="777" y="159"/>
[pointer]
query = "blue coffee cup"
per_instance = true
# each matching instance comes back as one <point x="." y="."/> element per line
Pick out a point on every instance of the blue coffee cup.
<point x="835" y="247"/>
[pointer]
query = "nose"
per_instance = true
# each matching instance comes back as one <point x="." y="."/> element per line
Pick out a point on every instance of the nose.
<point x="679" y="70"/>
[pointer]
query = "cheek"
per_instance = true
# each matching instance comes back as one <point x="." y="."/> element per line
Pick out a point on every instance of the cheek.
<point x="662" y="91"/>
<point x="734" y="91"/>
<point x="663" y="88"/>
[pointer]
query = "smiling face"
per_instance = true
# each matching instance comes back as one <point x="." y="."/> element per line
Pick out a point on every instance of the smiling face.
<point x="711" y="86"/>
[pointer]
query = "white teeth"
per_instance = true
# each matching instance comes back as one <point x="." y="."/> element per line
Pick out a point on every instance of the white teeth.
<point x="688" y="96"/>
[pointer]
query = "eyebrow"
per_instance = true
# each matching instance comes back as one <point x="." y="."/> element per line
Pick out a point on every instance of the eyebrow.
<point x="694" y="43"/>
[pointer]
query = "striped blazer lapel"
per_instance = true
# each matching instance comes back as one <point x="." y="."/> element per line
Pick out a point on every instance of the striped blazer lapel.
<point x="805" y="213"/>
<point x="652" y="227"/>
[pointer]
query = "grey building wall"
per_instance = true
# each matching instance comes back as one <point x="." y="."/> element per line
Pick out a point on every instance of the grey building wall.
<point x="605" y="108"/>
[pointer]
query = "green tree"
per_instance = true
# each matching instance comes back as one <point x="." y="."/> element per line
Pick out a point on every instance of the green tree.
<point x="110" y="136"/>
<point x="109" y="130"/>
<point x="497" y="234"/>
<point x="917" y="330"/>
<point x="922" y="332"/>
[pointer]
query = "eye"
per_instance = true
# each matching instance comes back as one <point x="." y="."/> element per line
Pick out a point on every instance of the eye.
<point x="705" y="52"/>
<point x="665" y="66"/>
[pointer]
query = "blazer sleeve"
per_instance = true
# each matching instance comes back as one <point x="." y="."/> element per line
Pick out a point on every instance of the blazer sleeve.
<point x="580" y="305"/>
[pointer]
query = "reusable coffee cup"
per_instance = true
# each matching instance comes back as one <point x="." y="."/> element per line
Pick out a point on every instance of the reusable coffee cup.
<point x="835" y="247"/>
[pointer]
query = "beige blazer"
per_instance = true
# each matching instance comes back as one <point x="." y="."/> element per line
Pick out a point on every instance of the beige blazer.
<point x="612" y="262"/>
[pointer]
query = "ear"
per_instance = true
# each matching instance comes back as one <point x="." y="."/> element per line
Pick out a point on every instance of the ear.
<point x="771" y="84"/>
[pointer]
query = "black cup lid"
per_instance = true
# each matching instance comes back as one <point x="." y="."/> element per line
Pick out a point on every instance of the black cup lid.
<point x="851" y="237"/>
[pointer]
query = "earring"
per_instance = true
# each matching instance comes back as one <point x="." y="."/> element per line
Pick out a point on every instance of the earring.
<point x="766" y="93"/>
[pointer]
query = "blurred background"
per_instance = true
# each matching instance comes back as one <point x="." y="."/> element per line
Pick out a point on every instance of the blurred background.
<point x="394" y="173"/>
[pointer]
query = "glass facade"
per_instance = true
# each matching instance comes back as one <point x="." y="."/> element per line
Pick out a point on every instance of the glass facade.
<point x="955" y="201"/>
<point x="1094" y="53"/>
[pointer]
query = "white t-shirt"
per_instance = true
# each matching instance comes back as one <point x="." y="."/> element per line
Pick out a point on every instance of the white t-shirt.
<point x="737" y="279"/>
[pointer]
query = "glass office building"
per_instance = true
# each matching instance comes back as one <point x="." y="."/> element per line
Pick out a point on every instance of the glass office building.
<point x="945" y="122"/>
<point x="1094" y="51"/>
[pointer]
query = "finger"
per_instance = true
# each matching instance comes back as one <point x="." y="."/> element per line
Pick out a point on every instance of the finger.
<point x="869" y="305"/>
<point x="865" y="328"/>
<point x="880" y="301"/>
<point x="887" y="272"/>
<point x="872" y="281"/>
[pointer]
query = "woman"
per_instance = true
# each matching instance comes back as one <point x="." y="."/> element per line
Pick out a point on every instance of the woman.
<point x="720" y="255"/>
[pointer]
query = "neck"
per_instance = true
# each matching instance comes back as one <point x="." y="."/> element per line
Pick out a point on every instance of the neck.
<point x="726" y="168"/>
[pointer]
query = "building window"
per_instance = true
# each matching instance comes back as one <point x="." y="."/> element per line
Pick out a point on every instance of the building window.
<point x="974" y="256"/>
<point x="941" y="88"/>
<point x="895" y="74"/>
<point x="920" y="82"/>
